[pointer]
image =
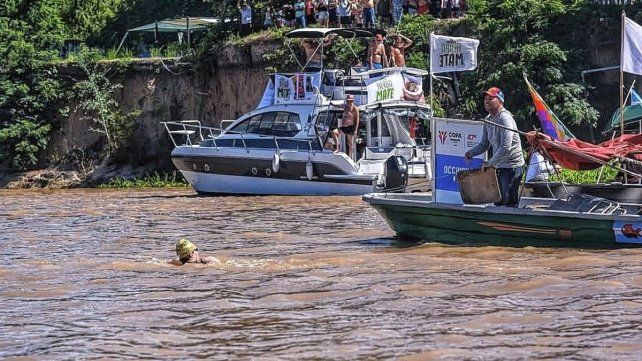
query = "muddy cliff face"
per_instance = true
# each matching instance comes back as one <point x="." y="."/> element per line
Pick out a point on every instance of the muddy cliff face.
<point x="225" y="87"/>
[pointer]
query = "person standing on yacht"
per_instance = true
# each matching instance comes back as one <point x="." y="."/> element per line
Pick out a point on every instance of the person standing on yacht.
<point x="313" y="55"/>
<point x="349" y="122"/>
<point x="398" y="50"/>
<point x="377" y="58"/>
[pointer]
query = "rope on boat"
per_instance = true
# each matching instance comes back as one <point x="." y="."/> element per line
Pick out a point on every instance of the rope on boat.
<point x="580" y="154"/>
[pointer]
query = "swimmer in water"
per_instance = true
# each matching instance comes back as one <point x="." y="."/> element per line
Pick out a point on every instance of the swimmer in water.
<point x="187" y="252"/>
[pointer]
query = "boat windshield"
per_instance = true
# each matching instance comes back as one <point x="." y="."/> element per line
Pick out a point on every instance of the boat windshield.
<point x="278" y="124"/>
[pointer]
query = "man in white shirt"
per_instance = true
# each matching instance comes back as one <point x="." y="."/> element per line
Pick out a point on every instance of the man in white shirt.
<point x="539" y="168"/>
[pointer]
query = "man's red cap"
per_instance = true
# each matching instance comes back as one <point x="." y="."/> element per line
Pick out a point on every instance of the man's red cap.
<point x="495" y="92"/>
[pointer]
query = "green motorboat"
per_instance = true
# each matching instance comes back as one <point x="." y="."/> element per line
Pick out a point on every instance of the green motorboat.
<point x="580" y="221"/>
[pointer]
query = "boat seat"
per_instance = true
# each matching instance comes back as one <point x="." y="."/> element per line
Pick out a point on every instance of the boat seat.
<point x="586" y="204"/>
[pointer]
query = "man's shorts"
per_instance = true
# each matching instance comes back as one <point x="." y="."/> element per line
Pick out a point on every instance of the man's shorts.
<point x="323" y="15"/>
<point x="348" y="129"/>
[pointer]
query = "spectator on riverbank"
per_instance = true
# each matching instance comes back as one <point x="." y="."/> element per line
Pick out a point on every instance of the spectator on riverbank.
<point x="289" y="15"/>
<point x="412" y="6"/>
<point x="299" y="13"/>
<point x="310" y="12"/>
<point x="322" y="13"/>
<point x="246" y="18"/>
<point x="383" y="12"/>
<point x="187" y="252"/>
<point x="357" y="14"/>
<point x="332" y="12"/>
<point x="269" y="22"/>
<point x="368" y="13"/>
<point x="397" y="11"/>
<point x="435" y="8"/>
<point x="345" y="13"/>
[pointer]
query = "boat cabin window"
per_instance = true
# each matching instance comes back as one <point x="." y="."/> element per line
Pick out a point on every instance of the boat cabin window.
<point x="279" y="124"/>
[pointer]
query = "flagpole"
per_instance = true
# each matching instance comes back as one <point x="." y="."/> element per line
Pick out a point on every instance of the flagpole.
<point x="432" y="111"/>
<point x="622" y="76"/>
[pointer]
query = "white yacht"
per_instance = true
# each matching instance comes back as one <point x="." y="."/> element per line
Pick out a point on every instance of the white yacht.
<point x="280" y="147"/>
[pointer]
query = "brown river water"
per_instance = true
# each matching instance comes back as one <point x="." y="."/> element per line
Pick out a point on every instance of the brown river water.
<point x="83" y="275"/>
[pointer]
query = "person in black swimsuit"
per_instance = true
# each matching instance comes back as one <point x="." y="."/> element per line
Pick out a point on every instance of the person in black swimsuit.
<point x="349" y="122"/>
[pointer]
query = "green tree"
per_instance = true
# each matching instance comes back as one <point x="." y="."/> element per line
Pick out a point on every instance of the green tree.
<point x="521" y="37"/>
<point x="30" y="90"/>
<point x="99" y="104"/>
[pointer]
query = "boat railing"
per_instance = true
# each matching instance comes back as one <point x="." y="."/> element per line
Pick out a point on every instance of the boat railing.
<point x="189" y="132"/>
<point x="193" y="133"/>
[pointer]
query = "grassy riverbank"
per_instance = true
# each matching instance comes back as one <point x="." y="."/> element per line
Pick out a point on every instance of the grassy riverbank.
<point x="166" y="180"/>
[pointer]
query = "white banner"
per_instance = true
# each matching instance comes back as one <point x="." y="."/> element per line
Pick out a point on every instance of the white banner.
<point x="631" y="57"/>
<point x="300" y="86"/>
<point x="284" y="88"/>
<point x="452" y="54"/>
<point x="386" y="88"/>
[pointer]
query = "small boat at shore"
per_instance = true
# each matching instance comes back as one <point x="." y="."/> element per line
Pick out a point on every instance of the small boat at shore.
<point x="579" y="221"/>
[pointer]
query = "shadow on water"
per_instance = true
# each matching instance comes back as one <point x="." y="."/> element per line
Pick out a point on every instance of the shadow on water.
<point x="393" y="242"/>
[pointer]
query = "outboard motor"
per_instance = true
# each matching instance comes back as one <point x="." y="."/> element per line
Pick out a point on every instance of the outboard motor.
<point x="396" y="174"/>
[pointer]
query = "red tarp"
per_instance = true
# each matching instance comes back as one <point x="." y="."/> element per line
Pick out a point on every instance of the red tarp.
<point x="576" y="154"/>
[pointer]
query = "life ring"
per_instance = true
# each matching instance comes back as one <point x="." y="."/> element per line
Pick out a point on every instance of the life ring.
<point x="276" y="163"/>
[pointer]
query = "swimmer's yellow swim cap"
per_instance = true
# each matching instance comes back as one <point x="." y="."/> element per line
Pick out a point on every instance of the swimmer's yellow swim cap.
<point x="184" y="248"/>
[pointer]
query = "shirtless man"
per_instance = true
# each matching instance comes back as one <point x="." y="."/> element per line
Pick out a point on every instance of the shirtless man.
<point x="187" y="252"/>
<point x="398" y="50"/>
<point x="349" y="121"/>
<point x="377" y="53"/>
<point x="312" y="56"/>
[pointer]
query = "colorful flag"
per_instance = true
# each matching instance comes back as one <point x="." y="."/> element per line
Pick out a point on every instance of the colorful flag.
<point x="449" y="53"/>
<point x="551" y="126"/>
<point x="635" y="98"/>
<point x="631" y="55"/>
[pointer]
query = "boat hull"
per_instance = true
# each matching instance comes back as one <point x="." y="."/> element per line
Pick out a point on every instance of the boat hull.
<point x="220" y="184"/>
<point x="481" y="225"/>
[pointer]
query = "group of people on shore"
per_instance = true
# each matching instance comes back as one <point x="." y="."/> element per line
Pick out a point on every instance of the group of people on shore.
<point x="345" y="13"/>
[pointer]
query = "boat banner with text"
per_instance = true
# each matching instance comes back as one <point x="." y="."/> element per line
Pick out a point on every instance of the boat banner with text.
<point x="452" y="138"/>
<point x="448" y="54"/>
<point x="385" y="88"/>
<point x="300" y="86"/>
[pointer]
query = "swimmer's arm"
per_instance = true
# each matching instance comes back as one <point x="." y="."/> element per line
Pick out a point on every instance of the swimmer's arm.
<point x="210" y="259"/>
<point x="175" y="262"/>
